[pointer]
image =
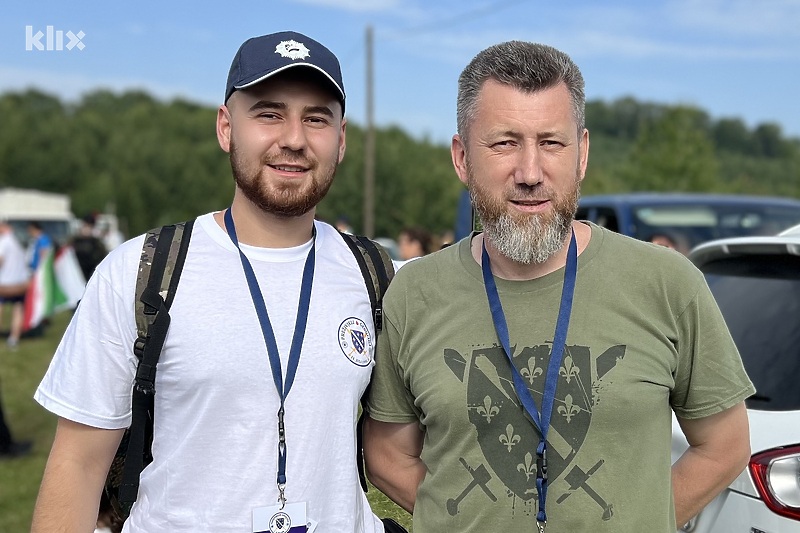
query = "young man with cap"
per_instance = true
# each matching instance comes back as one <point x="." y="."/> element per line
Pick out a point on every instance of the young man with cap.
<point x="253" y="350"/>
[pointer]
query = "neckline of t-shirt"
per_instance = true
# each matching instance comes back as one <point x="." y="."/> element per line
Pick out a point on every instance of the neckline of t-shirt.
<point x="254" y="253"/>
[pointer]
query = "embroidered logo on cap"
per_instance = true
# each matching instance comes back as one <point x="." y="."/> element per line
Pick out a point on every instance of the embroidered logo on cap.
<point x="292" y="49"/>
<point x="355" y="341"/>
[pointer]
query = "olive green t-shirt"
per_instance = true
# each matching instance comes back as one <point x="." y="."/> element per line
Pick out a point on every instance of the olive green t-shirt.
<point x="645" y="338"/>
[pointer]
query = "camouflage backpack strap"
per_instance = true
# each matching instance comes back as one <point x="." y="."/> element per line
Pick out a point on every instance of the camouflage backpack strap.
<point x="163" y="255"/>
<point x="376" y="268"/>
<point x="172" y="262"/>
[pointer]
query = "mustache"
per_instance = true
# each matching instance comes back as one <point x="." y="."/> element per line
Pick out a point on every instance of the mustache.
<point x="524" y="192"/>
<point x="288" y="157"/>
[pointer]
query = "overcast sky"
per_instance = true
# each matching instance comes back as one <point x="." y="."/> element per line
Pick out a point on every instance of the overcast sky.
<point x="734" y="58"/>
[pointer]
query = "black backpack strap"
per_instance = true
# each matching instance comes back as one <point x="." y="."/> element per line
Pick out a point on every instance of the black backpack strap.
<point x="163" y="256"/>
<point x="378" y="270"/>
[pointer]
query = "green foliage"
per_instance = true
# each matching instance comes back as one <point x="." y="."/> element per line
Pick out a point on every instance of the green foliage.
<point x="155" y="162"/>
<point x="673" y="153"/>
<point x="643" y="146"/>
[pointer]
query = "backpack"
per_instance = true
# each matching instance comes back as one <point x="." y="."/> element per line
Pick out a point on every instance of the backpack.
<point x="163" y="255"/>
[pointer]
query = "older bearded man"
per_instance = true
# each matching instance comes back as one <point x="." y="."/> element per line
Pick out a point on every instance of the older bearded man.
<point x="526" y="376"/>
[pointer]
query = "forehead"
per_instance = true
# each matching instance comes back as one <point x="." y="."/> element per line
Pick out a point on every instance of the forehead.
<point x="296" y="84"/>
<point x="501" y="104"/>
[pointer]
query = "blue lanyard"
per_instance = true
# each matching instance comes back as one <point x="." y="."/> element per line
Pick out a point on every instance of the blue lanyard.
<point x="272" y="345"/>
<point x="542" y="422"/>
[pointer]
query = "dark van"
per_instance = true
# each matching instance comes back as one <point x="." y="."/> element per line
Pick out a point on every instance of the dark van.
<point x="689" y="219"/>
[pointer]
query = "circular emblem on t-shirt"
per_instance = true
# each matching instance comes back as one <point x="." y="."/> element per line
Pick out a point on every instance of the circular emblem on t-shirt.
<point x="355" y="341"/>
<point x="280" y="523"/>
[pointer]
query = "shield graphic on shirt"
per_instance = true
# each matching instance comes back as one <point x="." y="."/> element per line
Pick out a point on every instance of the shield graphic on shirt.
<point x="357" y="337"/>
<point x="506" y="435"/>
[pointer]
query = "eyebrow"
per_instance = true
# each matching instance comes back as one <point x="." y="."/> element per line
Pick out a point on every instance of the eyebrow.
<point x="551" y="134"/>
<point x="262" y="105"/>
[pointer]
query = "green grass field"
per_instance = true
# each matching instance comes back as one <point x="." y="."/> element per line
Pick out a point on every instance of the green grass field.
<point x="20" y="373"/>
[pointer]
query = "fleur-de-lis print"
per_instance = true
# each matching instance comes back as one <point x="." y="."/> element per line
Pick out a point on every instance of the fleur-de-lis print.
<point x="528" y="468"/>
<point x="509" y="439"/>
<point x="569" y="370"/>
<point x="487" y="410"/>
<point x="531" y="371"/>
<point x="569" y="409"/>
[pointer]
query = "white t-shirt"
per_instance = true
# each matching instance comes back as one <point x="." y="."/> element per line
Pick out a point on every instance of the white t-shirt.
<point x="215" y="444"/>
<point x="13" y="265"/>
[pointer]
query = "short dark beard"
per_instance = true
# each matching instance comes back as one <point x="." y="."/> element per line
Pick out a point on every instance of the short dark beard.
<point x="525" y="239"/>
<point x="281" y="201"/>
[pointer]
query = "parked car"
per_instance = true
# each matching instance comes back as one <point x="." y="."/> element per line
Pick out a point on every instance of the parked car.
<point x="689" y="219"/>
<point x="756" y="282"/>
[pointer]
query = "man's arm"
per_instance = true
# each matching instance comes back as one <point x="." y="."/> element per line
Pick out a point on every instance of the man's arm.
<point x="392" y="456"/>
<point x="719" y="449"/>
<point x="69" y="498"/>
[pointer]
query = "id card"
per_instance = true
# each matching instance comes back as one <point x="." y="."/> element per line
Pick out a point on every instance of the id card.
<point x="291" y="519"/>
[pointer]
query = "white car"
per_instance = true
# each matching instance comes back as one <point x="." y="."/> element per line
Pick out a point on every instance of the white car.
<point x="756" y="282"/>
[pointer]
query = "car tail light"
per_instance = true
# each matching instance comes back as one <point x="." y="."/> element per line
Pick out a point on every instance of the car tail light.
<point x="776" y="474"/>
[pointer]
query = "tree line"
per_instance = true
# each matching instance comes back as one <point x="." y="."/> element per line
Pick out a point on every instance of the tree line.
<point x="155" y="162"/>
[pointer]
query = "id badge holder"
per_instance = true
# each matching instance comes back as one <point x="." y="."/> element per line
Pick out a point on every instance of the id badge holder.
<point x="291" y="519"/>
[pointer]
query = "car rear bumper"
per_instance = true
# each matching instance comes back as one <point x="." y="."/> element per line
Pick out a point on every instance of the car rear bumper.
<point x="734" y="512"/>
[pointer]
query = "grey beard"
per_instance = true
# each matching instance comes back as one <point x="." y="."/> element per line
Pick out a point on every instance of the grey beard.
<point x="530" y="241"/>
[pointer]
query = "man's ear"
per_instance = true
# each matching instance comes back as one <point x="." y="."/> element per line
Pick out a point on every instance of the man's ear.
<point x="342" y="140"/>
<point x="224" y="128"/>
<point x="459" y="154"/>
<point x="584" y="153"/>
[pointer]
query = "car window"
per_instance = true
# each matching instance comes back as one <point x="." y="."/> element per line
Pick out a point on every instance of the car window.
<point x="762" y="310"/>
<point x="697" y="223"/>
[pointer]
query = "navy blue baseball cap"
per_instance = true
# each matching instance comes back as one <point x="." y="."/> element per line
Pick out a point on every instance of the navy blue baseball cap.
<point x="261" y="57"/>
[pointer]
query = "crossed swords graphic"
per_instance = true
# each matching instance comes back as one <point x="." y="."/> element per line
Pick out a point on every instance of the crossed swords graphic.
<point x="480" y="477"/>
<point x="577" y="479"/>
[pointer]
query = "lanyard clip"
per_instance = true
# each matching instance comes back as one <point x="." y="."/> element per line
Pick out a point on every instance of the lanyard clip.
<point x="541" y="525"/>
<point x="281" y="495"/>
<point x="281" y="428"/>
<point x="541" y="464"/>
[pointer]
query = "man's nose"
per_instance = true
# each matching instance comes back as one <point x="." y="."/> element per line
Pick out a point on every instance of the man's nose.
<point x="293" y="135"/>
<point x="529" y="168"/>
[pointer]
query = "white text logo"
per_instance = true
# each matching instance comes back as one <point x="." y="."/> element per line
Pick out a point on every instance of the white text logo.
<point x="53" y="39"/>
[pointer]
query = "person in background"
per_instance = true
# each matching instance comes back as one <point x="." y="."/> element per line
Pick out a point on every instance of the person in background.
<point x="671" y="240"/>
<point x="414" y="242"/>
<point x="40" y="245"/>
<point x="343" y="224"/>
<point x="89" y="249"/>
<point x="527" y="376"/>
<point x="14" y="276"/>
<point x="10" y="448"/>
<point x="270" y="345"/>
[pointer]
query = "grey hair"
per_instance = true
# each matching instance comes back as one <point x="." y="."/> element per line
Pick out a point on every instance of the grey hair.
<point x="529" y="67"/>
